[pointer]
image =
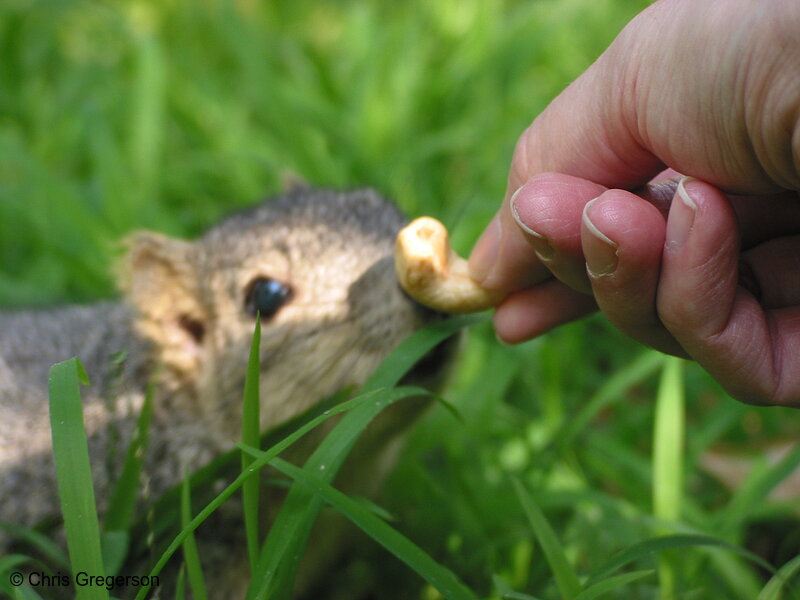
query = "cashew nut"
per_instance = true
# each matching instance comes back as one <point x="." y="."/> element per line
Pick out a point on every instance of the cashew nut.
<point x="434" y="275"/>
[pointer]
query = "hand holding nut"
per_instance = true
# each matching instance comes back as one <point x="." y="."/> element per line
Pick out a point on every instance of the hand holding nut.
<point x="434" y="275"/>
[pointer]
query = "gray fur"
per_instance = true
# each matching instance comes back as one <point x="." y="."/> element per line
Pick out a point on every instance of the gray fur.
<point x="182" y="322"/>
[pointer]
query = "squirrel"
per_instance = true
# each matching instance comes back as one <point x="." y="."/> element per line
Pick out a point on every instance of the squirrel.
<point x="316" y="266"/>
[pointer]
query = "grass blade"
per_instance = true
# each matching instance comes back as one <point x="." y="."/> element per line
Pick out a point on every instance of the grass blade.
<point x="612" y="583"/>
<point x="123" y="499"/>
<point x="756" y="488"/>
<point x="180" y="585"/>
<point x="566" y="579"/>
<point x="10" y="561"/>
<point x="25" y="592"/>
<point x="397" y="394"/>
<point x="7" y="563"/>
<point x="74" y="474"/>
<point x="610" y="392"/>
<point x="667" y="542"/>
<point x="147" y="112"/>
<point x="774" y="588"/>
<point x="251" y="430"/>
<point x="290" y="531"/>
<point x="289" y="534"/>
<point x="415" y="347"/>
<point x="122" y="506"/>
<point x="741" y="582"/>
<point x="668" y="443"/>
<point x="47" y="547"/>
<point x="114" y="546"/>
<point x="166" y="510"/>
<point x="194" y="570"/>
<point x="668" y="460"/>
<point x="438" y="576"/>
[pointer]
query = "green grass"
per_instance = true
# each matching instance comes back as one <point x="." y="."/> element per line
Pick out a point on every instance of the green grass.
<point x="668" y="443"/>
<point x="191" y="557"/>
<point x="74" y="474"/>
<point x="400" y="546"/>
<point x="116" y="116"/>
<point x="564" y="574"/>
<point x="282" y="550"/>
<point x="251" y="436"/>
<point x="276" y="563"/>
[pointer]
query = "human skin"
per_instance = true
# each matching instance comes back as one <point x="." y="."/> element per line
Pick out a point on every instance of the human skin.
<point x="597" y="213"/>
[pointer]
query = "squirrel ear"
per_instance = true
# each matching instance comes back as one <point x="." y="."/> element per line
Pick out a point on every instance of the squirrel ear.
<point x="292" y="182"/>
<point x="159" y="280"/>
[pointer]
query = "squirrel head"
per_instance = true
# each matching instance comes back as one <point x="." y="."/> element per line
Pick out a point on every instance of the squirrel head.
<point x="317" y="266"/>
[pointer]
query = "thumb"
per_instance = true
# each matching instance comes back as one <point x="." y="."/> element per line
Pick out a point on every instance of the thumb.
<point x="584" y="132"/>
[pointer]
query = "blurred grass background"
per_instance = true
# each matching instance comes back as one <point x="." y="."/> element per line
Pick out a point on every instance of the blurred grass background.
<point x="126" y="114"/>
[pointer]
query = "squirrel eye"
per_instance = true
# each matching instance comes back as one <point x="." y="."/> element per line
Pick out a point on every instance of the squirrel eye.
<point x="266" y="296"/>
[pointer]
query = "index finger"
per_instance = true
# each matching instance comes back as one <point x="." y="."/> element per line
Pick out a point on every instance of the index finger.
<point x="583" y="133"/>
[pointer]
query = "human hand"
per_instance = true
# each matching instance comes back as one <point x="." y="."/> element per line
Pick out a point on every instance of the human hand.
<point x="708" y="269"/>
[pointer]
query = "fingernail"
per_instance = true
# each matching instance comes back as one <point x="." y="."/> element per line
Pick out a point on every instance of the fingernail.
<point x="681" y="217"/>
<point x="600" y="251"/>
<point x="539" y="243"/>
<point x="484" y="254"/>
